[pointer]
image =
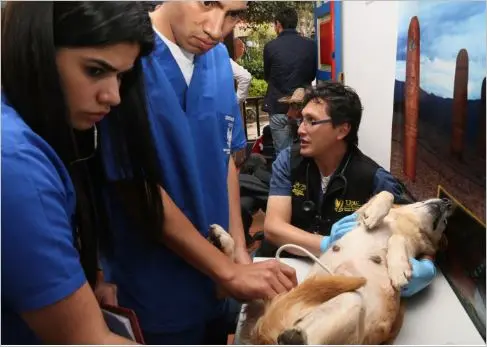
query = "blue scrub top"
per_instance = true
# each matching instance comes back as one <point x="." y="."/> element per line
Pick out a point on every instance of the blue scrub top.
<point x="194" y="129"/>
<point x="40" y="264"/>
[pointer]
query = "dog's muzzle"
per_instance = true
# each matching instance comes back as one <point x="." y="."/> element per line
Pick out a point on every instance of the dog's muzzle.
<point x="439" y="207"/>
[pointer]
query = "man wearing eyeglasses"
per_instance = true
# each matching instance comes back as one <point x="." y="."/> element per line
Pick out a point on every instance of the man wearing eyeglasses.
<point x="323" y="178"/>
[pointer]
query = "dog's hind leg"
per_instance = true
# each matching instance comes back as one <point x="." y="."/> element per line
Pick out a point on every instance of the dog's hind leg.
<point x="396" y="326"/>
<point x="337" y="321"/>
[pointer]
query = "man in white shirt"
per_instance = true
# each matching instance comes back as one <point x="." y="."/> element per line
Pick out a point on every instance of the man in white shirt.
<point x="243" y="78"/>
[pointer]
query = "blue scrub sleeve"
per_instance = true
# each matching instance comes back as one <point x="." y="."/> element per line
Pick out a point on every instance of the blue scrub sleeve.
<point x="40" y="264"/>
<point x="383" y="180"/>
<point x="281" y="174"/>
<point x="238" y="133"/>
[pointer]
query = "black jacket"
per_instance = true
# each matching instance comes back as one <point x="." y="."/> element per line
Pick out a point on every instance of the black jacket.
<point x="340" y="199"/>
<point x="290" y="62"/>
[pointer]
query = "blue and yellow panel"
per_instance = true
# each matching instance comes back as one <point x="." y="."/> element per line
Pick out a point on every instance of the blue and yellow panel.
<point x="328" y="29"/>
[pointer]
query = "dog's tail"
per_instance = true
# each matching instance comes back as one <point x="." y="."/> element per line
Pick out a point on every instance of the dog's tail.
<point x="318" y="289"/>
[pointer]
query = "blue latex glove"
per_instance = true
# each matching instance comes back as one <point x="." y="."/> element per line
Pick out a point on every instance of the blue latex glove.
<point x="338" y="229"/>
<point x="423" y="273"/>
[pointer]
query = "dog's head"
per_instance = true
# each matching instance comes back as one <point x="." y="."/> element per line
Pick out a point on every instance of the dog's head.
<point x="431" y="217"/>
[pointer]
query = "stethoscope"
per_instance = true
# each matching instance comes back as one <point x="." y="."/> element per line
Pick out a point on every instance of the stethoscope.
<point x="309" y="206"/>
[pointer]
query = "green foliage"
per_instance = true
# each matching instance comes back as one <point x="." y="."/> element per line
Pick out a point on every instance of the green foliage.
<point x="253" y="59"/>
<point x="258" y="87"/>
<point x="254" y="63"/>
<point x="260" y="19"/>
<point x="259" y="12"/>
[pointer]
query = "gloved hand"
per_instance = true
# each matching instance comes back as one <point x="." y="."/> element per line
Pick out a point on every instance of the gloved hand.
<point x="338" y="229"/>
<point x="423" y="273"/>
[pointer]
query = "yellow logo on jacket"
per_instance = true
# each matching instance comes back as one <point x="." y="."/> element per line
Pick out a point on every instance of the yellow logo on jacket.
<point x="298" y="189"/>
<point x="346" y="205"/>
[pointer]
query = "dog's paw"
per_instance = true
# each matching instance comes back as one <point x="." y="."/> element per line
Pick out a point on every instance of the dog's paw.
<point x="373" y="216"/>
<point x="374" y="213"/>
<point x="399" y="274"/>
<point x="294" y="336"/>
<point x="221" y="239"/>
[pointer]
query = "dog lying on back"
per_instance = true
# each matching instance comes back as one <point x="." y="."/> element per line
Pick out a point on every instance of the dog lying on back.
<point x="359" y="303"/>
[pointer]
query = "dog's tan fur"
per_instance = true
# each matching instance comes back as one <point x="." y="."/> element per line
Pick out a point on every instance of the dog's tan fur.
<point x="360" y="302"/>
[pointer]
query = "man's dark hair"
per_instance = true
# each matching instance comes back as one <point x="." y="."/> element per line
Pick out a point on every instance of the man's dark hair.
<point x="288" y="18"/>
<point x="342" y="104"/>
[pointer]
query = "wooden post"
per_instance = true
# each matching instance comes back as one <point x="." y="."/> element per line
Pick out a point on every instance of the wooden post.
<point x="460" y="97"/>
<point x="411" y="100"/>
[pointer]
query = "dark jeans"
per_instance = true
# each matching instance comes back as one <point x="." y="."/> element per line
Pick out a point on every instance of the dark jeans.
<point x="280" y="132"/>
<point x="214" y="332"/>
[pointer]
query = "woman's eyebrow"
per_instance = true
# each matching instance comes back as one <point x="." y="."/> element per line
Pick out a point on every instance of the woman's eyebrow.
<point x="103" y="64"/>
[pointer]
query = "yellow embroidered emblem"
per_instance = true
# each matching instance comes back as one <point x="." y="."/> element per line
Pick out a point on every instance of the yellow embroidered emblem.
<point x="346" y="205"/>
<point x="298" y="189"/>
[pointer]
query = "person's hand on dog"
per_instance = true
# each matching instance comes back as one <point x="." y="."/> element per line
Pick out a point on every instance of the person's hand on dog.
<point x="423" y="273"/>
<point x="339" y="229"/>
<point x="262" y="280"/>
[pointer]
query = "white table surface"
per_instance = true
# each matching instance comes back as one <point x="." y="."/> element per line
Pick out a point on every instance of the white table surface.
<point x="433" y="317"/>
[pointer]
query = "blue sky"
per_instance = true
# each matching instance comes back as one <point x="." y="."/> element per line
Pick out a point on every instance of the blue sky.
<point x="445" y="28"/>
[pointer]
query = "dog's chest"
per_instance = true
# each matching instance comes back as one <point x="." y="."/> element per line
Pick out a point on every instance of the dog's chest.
<point x="358" y="253"/>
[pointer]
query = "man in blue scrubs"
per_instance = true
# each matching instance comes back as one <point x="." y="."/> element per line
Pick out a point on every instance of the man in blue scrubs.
<point x="196" y="126"/>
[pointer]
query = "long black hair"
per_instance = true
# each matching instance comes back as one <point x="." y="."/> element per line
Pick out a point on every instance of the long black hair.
<point x="31" y="34"/>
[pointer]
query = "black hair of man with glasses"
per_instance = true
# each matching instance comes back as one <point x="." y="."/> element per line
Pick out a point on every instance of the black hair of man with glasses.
<point x="323" y="177"/>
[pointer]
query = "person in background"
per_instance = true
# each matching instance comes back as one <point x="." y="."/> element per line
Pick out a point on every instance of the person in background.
<point x="318" y="183"/>
<point x="290" y="62"/>
<point x="243" y="78"/>
<point x="196" y="125"/>
<point x="295" y="102"/>
<point x="256" y="172"/>
<point x="65" y="67"/>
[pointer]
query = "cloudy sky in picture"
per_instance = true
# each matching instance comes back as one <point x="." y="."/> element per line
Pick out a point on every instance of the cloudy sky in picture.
<point x="445" y="28"/>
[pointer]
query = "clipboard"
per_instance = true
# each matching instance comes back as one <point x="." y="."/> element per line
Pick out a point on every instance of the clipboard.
<point x="123" y="321"/>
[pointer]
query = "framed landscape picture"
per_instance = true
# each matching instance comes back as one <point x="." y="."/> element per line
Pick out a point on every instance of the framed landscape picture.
<point x="463" y="262"/>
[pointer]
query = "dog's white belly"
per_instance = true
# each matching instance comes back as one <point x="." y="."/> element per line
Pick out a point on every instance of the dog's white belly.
<point x="363" y="253"/>
<point x="358" y="253"/>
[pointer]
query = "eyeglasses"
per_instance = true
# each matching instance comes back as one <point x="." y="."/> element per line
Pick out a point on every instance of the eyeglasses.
<point x="309" y="122"/>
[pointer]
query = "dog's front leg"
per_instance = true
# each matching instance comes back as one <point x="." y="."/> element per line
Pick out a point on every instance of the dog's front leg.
<point x="337" y="321"/>
<point x="222" y="240"/>
<point x="398" y="265"/>
<point x="373" y="212"/>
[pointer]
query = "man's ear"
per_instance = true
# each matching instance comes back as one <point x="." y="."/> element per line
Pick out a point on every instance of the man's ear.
<point x="343" y="130"/>
<point x="278" y="26"/>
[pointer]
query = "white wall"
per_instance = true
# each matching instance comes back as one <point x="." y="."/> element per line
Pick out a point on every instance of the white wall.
<point x="369" y="54"/>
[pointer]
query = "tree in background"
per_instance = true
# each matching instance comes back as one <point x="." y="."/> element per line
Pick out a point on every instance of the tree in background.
<point x="260" y="12"/>
<point x="259" y="19"/>
<point x="253" y="60"/>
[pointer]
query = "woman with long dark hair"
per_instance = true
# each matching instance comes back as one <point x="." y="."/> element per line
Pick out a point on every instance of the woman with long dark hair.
<point x="65" y="66"/>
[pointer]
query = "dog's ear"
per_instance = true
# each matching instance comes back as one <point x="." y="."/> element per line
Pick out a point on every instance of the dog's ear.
<point x="443" y="243"/>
